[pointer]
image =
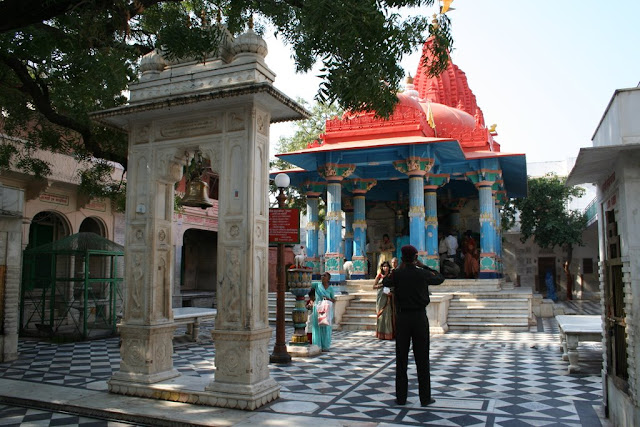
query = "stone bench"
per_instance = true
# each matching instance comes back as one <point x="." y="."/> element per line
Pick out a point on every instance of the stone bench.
<point x="192" y="316"/>
<point x="576" y="328"/>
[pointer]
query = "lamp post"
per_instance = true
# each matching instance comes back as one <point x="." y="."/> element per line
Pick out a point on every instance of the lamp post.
<point x="280" y="354"/>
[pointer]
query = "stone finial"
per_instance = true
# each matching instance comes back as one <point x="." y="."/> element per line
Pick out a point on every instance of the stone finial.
<point x="410" y="89"/>
<point x="152" y="64"/>
<point x="250" y="43"/>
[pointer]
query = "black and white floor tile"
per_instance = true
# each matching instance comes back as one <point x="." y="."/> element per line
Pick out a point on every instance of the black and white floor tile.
<point x="494" y="378"/>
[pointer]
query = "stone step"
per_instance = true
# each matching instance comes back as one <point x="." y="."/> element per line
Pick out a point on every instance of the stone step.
<point x="349" y="326"/>
<point x="510" y="320"/>
<point x="486" y="326"/>
<point x="359" y="317"/>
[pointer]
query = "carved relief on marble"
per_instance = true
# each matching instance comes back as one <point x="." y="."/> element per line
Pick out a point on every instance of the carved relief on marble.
<point x="235" y="121"/>
<point x="259" y="166"/>
<point x="228" y="362"/>
<point x="238" y="175"/>
<point x="261" y="281"/>
<point x="137" y="235"/>
<point x="213" y="152"/>
<point x="229" y="307"/>
<point x="162" y="354"/>
<point x="141" y="134"/>
<point x="135" y="288"/>
<point x="161" y="288"/>
<point x="169" y="164"/>
<point x="262" y="123"/>
<point x="233" y="230"/>
<point x="190" y="127"/>
<point x="140" y="191"/>
<point x="133" y="352"/>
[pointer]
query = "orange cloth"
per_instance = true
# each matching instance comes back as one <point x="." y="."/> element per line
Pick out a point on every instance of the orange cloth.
<point x="471" y="263"/>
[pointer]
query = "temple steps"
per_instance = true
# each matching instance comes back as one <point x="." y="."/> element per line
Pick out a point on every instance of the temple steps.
<point x="289" y="305"/>
<point x="468" y="311"/>
<point x="501" y="310"/>
<point x="360" y="314"/>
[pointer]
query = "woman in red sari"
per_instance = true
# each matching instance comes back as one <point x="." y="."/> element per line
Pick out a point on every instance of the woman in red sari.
<point x="470" y="251"/>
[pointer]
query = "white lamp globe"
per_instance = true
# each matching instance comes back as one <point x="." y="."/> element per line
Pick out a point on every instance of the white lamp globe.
<point x="282" y="180"/>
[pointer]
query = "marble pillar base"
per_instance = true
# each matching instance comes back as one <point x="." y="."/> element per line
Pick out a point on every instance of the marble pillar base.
<point x="242" y="396"/>
<point x="303" y="350"/>
<point x="190" y="389"/>
<point x="146" y="353"/>
<point x="242" y="379"/>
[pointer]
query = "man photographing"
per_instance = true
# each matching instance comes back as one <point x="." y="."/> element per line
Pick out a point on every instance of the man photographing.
<point x="410" y="283"/>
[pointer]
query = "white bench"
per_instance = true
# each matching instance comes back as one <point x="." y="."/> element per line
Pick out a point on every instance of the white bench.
<point x="576" y="328"/>
<point x="192" y="316"/>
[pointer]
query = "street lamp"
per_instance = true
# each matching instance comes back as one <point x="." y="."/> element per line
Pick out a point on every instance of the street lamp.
<point x="280" y="354"/>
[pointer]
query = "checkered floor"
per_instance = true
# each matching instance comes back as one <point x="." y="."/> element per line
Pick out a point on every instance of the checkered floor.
<point x="497" y="378"/>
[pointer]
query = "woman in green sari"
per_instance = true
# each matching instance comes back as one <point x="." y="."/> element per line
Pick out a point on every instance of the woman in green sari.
<point x="321" y="334"/>
<point x="385" y="326"/>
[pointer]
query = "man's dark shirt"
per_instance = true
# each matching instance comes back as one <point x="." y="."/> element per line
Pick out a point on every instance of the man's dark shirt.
<point x="410" y="285"/>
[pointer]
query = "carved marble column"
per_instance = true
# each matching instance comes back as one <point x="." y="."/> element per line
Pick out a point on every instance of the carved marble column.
<point x="416" y="168"/>
<point x="313" y="190"/>
<point x="147" y="326"/>
<point x="333" y="258"/>
<point x="242" y="329"/>
<point x="359" y="188"/>
<point x="432" y="183"/>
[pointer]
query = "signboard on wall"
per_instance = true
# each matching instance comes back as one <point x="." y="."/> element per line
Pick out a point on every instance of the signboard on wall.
<point x="284" y="225"/>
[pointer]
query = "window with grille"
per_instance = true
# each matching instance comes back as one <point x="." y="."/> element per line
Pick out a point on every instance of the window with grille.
<point x="614" y="304"/>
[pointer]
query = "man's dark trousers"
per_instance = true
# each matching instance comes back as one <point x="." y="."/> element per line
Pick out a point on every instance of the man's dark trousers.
<point x="412" y="326"/>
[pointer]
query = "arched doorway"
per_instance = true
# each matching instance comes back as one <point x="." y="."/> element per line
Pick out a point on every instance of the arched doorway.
<point x="47" y="227"/>
<point x="199" y="268"/>
<point x="93" y="225"/>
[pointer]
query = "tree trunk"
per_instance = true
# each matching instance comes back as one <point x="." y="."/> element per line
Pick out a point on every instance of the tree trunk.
<point x="567" y="271"/>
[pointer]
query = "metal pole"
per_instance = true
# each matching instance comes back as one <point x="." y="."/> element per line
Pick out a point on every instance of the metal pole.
<point x="280" y="354"/>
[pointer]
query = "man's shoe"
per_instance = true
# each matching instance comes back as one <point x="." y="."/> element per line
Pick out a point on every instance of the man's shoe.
<point x="401" y="402"/>
<point x="432" y="400"/>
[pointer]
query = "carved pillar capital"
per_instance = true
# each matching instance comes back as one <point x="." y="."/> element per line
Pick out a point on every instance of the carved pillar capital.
<point x="414" y="166"/>
<point x="334" y="172"/>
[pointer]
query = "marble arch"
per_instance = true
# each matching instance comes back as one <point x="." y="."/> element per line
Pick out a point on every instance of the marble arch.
<point x="222" y="107"/>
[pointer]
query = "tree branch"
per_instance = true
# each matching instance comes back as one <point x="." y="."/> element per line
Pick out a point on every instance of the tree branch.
<point x="38" y="93"/>
<point x="15" y="14"/>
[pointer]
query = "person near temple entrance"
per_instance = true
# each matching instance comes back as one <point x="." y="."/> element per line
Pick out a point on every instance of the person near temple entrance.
<point x="450" y="268"/>
<point x="386" y="249"/>
<point x="394" y="263"/>
<point x="309" y="306"/>
<point x="471" y="256"/>
<point x="321" y="333"/>
<point x="410" y="285"/>
<point x="385" y="311"/>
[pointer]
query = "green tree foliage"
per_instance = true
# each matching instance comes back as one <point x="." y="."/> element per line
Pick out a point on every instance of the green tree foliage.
<point x="545" y="216"/>
<point x="306" y="132"/>
<point x="62" y="59"/>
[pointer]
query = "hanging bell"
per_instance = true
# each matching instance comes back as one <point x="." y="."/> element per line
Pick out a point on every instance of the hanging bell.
<point x="197" y="195"/>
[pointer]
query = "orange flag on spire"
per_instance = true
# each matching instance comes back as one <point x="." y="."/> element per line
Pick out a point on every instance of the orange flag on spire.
<point x="445" y="5"/>
<point x="430" y="120"/>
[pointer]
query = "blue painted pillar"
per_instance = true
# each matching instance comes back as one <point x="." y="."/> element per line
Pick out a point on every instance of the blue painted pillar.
<point x="432" y="183"/>
<point x="431" y="226"/>
<point x="416" y="214"/>
<point x="348" y="235"/>
<point x="498" y="237"/>
<point x="359" y="187"/>
<point x="313" y="190"/>
<point x="333" y="257"/>
<point x="416" y="168"/>
<point x="488" y="268"/>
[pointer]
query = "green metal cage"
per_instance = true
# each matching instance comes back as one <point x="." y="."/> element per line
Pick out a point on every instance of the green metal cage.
<point x="72" y="288"/>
